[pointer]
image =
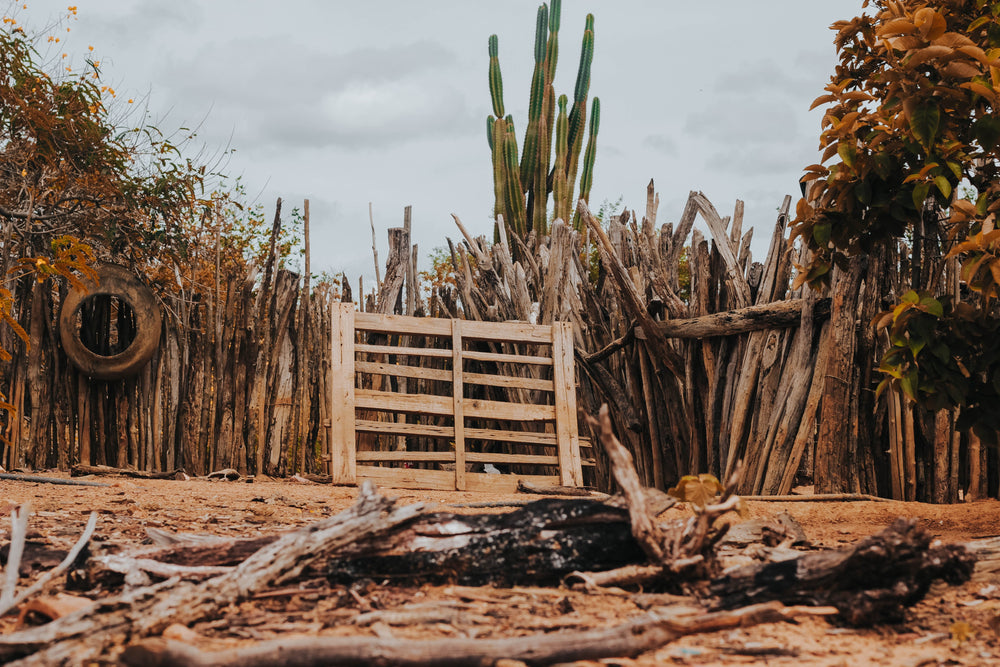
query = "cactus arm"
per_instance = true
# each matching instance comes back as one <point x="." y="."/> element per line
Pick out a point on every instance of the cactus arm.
<point x="515" y="195"/>
<point x="496" y="81"/>
<point x="560" y="189"/>
<point x="587" y="177"/>
<point x="529" y="155"/>
<point x="578" y="114"/>
<point x="498" y="130"/>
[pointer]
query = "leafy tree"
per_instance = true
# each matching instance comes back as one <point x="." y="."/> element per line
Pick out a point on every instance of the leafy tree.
<point x="912" y="116"/>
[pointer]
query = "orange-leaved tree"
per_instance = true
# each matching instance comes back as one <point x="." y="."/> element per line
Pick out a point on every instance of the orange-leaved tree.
<point x="912" y="119"/>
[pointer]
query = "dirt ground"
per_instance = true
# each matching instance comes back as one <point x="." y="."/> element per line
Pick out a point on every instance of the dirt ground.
<point x="952" y="626"/>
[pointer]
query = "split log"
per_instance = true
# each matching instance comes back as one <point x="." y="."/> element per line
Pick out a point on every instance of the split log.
<point x="871" y="582"/>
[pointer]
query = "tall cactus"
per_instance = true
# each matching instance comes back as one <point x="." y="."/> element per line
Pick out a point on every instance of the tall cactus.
<point x="522" y="188"/>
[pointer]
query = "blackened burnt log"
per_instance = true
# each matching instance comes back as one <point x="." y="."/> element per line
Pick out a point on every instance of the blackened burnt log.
<point x="873" y="581"/>
<point x="538" y="544"/>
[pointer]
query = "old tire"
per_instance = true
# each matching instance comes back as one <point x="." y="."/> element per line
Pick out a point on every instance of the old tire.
<point x="118" y="282"/>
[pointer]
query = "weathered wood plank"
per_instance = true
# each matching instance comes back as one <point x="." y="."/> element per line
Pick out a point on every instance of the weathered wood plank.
<point x="449" y="457"/>
<point x="444" y="405"/>
<point x="408" y="351"/>
<point x="342" y="395"/>
<point x="511" y="332"/>
<point x="400" y="324"/>
<point x="429" y="430"/>
<point x="401" y="370"/>
<point x="508" y="358"/>
<point x="538" y="384"/>
<point x="458" y="403"/>
<point x="564" y="377"/>
<point x="444" y="480"/>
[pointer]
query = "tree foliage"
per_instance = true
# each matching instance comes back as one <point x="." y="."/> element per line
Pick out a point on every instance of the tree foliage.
<point x="912" y="115"/>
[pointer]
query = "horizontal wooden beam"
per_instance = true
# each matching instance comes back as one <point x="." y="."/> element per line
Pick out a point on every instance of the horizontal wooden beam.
<point x="443" y="405"/>
<point x="774" y="315"/>
<point x="444" y="480"/>
<point x="507" y="358"/>
<point x="510" y="332"/>
<point x="400" y="370"/>
<point x="408" y="351"/>
<point x="449" y="457"/>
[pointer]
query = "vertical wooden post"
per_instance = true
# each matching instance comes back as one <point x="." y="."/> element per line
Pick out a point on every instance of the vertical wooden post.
<point x="343" y="464"/>
<point x="896" y="468"/>
<point x="975" y="471"/>
<point x="564" y="377"/>
<point x="301" y="416"/>
<point x="459" y="407"/>
<point x="942" y="456"/>
<point x="909" y="452"/>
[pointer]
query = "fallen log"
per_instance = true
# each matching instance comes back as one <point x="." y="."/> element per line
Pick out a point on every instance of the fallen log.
<point x="81" y="470"/>
<point x="538" y="544"/>
<point x="650" y="631"/>
<point x="774" y="315"/>
<point x="871" y="582"/>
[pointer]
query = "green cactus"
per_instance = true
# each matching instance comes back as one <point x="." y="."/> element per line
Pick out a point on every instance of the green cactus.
<point x="522" y="187"/>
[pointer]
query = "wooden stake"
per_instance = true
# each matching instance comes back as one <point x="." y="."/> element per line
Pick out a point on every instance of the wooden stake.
<point x="343" y="466"/>
<point x="458" y="401"/>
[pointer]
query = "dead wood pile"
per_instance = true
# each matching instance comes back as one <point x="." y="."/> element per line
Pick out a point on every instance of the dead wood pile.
<point x="593" y="543"/>
<point x="709" y="358"/>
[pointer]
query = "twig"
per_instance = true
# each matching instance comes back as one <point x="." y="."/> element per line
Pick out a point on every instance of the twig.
<point x="88" y="532"/>
<point x="378" y="278"/>
<point x="18" y="533"/>
<point x="819" y="498"/>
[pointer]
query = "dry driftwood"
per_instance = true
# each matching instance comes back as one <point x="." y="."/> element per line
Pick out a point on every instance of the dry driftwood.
<point x="647" y="632"/>
<point x="538" y="543"/>
<point x="87" y="634"/>
<point x="774" y="315"/>
<point x="871" y="582"/>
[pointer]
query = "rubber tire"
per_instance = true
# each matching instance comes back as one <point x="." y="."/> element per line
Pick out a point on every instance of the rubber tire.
<point x="120" y="282"/>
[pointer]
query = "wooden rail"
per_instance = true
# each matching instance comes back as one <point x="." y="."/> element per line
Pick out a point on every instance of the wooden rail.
<point x="537" y="422"/>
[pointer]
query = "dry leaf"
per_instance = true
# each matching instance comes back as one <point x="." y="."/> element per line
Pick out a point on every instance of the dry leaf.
<point x="698" y="490"/>
<point x="961" y="631"/>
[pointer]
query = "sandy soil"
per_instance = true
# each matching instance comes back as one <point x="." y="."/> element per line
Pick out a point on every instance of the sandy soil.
<point x="953" y="625"/>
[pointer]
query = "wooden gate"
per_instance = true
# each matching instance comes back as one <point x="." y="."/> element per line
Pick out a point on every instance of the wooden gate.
<point x="446" y="404"/>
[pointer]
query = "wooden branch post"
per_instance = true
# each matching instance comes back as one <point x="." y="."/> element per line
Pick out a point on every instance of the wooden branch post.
<point x="458" y="402"/>
<point x="343" y="466"/>
<point x="570" y="467"/>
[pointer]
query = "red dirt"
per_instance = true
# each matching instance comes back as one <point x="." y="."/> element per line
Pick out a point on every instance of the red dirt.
<point x="128" y="507"/>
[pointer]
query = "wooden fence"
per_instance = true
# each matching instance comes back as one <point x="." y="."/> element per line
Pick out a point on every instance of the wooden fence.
<point x="705" y="356"/>
<point x="419" y="392"/>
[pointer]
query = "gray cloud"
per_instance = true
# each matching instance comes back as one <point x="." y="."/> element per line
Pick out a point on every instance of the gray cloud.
<point x="661" y="143"/>
<point x="295" y="97"/>
<point x="756" y="120"/>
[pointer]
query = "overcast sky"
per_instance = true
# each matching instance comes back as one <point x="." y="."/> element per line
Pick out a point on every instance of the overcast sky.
<point x="347" y="103"/>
